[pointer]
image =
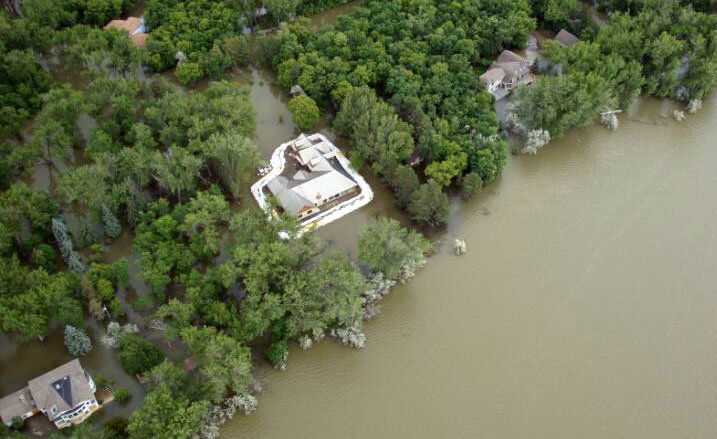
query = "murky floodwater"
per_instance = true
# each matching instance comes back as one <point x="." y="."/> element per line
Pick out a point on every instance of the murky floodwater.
<point x="585" y="306"/>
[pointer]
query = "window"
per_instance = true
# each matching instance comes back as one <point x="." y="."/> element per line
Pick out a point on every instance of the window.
<point x="53" y="410"/>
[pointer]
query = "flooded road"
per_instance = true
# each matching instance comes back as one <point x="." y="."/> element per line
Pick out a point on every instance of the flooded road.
<point x="584" y="307"/>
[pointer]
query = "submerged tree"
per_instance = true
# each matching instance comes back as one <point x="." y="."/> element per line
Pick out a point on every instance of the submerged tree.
<point x="386" y="247"/>
<point x="234" y="157"/>
<point x="429" y="204"/>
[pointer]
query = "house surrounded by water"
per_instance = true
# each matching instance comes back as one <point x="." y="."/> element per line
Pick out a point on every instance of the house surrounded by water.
<point x="313" y="179"/>
<point x="310" y="178"/>
<point x="66" y="395"/>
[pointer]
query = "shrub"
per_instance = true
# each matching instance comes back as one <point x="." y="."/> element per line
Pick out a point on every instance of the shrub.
<point x="137" y="355"/>
<point x="102" y="381"/>
<point x="472" y="184"/>
<point x="238" y="49"/>
<point x="122" y="395"/>
<point x="17" y="423"/>
<point x="189" y="72"/>
<point x="77" y="341"/>
<point x="305" y="111"/>
<point x="111" y="223"/>
<point x="277" y="353"/>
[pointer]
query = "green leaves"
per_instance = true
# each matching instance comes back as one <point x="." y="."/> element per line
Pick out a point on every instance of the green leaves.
<point x="386" y="247"/>
<point x="137" y="355"/>
<point x="30" y="299"/>
<point x="164" y="416"/>
<point x="429" y="204"/>
<point x="304" y="111"/>
<point x="224" y="363"/>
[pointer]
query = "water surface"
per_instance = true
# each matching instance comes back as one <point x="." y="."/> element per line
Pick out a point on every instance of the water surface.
<point x="585" y="306"/>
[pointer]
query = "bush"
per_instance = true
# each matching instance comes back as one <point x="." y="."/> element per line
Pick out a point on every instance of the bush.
<point x="189" y="72"/>
<point x="111" y="223"/>
<point x="118" y="426"/>
<point x="77" y="341"/>
<point x="102" y="381"/>
<point x="305" y="111"/>
<point x="122" y="395"/>
<point x="472" y="184"/>
<point x="137" y="355"/>
<point x="238" y="49"/>
<point x="17" y="423"/>
<point x="278" y="352"/>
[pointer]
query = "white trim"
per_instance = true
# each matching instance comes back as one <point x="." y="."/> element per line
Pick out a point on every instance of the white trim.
<point x="278" y="162"/>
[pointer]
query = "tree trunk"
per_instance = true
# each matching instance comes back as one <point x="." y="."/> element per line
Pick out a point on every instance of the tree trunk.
<point x="12" y="7"/>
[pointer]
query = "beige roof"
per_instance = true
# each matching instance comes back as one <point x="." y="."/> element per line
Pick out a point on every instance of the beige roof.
<point x="324" y="186"/>
<point x="513" y="69"/>
<point x="508" y="56"/>
<point x="493" y="75"/>
<point x="64" y="387"/>
<point x="565" y="38"/>
<point x="130" y="25"/>
<point x="16" y="404"/>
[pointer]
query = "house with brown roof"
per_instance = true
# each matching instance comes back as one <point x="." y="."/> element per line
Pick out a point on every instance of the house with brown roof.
<point x="134" y="26"/>
<point x="66" y="395"/>
<point x="507" y="72"/>
<point x="566" y="39"/>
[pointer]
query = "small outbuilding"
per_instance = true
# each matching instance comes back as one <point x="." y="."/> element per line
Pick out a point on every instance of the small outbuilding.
<point x="566" y="39"/>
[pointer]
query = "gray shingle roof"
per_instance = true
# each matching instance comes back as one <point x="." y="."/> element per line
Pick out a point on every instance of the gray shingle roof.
<point x="289" y="200"/>
<point x="16" y="404"/>
<point x="508" y="56"/>
<point x="565" y="38"/>
<point x="64" y="387"/>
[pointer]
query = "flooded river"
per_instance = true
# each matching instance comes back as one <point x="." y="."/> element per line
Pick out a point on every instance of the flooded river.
<point x="585" y="306"/>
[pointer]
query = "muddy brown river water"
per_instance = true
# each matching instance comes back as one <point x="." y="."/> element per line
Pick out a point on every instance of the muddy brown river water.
<point x="584" y="308"/>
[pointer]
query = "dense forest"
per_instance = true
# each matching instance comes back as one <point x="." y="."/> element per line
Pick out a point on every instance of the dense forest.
<point x="421" y="57"/>
<point x="662" y="48"/>
<point x="171" y="166"/>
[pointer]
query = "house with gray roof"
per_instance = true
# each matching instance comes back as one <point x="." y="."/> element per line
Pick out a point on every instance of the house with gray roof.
<point x="507" y="72"/>
<point x="66" y="395"/>
<point x="313" y="179"/>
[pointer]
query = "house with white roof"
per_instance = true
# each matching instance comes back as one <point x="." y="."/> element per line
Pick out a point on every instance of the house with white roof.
<point x="313" y="179"/>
